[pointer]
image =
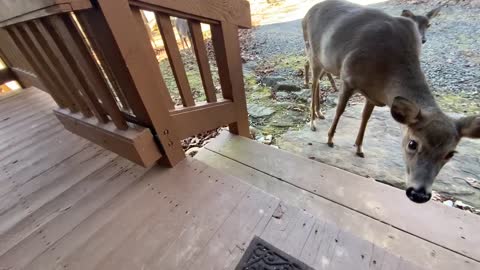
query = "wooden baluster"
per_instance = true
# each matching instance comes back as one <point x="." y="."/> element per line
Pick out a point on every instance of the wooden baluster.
<point x="227" y="53"/>
<point x="48" y="65"/>
<point x="101" y="38"/>
<point x="70" y="54"/>
<point x="66" y="76"/>
<point x="32" y="57"/>
<point x="145" y="72"/>
<point x="66" y="27"/>
<point x="175" y="59"/>
<point x="202" y="59"/>
<point x="137" y="15"/>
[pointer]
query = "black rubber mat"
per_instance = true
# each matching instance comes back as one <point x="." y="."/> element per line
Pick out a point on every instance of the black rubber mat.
<point x="261" y="255"/>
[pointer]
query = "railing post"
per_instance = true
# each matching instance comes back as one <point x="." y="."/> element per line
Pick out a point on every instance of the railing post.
<point x="144" y="69"/>
<point x="227" y="52"/>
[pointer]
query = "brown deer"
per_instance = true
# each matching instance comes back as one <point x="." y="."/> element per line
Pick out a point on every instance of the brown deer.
<point x="184" y="32"/>
<point x="378" y="56"/>
<point x="422" y="22"/>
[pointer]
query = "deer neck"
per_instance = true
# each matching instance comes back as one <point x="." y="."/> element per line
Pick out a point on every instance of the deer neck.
<point x="412" y="85"/>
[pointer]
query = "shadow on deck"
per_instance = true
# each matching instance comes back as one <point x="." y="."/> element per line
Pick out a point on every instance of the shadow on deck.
<point x="66" y="203"/>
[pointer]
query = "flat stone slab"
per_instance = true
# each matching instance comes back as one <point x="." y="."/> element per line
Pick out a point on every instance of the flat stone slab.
<point x="258" y="110"/>
<point x="383" y="156"/>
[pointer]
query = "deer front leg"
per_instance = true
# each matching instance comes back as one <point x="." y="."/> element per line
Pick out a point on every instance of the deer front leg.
<point x="332" y="82"/>
<point x="345" y="94"/>
<point x="367" y="112"/>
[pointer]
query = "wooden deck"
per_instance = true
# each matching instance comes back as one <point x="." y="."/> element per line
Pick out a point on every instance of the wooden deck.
<point x="68" y="204"/>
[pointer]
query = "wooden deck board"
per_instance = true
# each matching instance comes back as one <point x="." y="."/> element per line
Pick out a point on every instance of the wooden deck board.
<point x="383" y="235"/>
<point x="76" y="206"/>
<point x="378" y="201"/>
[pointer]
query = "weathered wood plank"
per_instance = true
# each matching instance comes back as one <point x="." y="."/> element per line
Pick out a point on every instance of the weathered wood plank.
<point x="248" y="219"/>
<point x="136" y="143"/>
<point x="174" y="58"/>
<point x="206" y="219"/>
<point x="145" y="72"/>
<point x="383" y="235"/>
<point x="202" y="60"/>
<point x="365" y="196"/>
<point x="30" y="197"/>
<point x="26" y="165"/>
<point x="150" y="192"/>
<point x="39" y="240"/>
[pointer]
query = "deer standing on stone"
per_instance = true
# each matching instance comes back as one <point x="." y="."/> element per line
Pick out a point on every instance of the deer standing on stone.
<point x="378" y="56"/>
<point x="184" y="32"/>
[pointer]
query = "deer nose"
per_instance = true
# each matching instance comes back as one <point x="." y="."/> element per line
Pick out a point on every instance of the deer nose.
<point x="418" y="196"/>
<point x="423" y="41"/>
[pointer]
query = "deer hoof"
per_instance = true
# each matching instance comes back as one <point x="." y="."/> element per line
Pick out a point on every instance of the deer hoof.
<point x="330" y="144"/>
<point x="319" y="115"/>
<point x="312" y="127"/>
<point x="361" y="154"/>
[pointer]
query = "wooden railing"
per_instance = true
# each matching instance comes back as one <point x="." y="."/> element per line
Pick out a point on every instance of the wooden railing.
<point x="96" y="61"/>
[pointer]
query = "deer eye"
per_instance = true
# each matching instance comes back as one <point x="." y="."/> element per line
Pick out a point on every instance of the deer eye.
<point x="450" y="155"/>
<point x="428" y="25"/>
<point x="412" y="145"/>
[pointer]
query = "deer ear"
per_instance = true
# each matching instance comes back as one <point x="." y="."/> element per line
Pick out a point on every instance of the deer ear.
<point x="434" y="12"/>
<point x="407" y="13"/>
<point x="469" y="126"/>
<point x="404" y="111"/>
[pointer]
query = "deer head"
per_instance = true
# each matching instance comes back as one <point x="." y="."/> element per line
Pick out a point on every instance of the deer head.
<point x="429" y="141"/>
<point x="423" y="21"/>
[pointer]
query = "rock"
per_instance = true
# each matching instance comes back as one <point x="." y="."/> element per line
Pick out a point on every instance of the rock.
<point x="271" y="81"/>
<point x="448" y="203"/>
<point x="303" y="95"/>
<point x="282" y="95"/>
<point x="266" y="140"/>
<point x="287" y="86"/>
<point x="275" y="146"/>
<point x="254" y="132"/>
<point x="462" y="205"/>
<point x="192" y="151"/>
<point x="258" y="110"/>
<point x="288" y="118"/>
<point x="331" y="100"/>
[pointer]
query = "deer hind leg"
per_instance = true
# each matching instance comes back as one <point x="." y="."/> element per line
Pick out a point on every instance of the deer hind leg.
<point x="345" y="94"/>
<point x="307" y="73"/>
<point x="315" y="104"/>
<point x="332" y="82"/>
<point x="318" y="113"/>
<point x="367" y="112"/>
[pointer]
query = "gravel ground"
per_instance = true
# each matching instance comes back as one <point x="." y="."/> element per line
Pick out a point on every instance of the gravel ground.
<point x="450" y="58"/>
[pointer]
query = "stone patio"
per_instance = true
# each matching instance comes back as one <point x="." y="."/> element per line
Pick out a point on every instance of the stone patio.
<point x="383" y="157"/>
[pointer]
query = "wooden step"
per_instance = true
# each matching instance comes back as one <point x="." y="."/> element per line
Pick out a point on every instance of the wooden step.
<point x="446" y="236"/>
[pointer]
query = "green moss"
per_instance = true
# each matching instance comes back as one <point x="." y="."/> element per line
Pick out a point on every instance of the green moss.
<point x="292" y="61"/>
<point x="458" y="104"/>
